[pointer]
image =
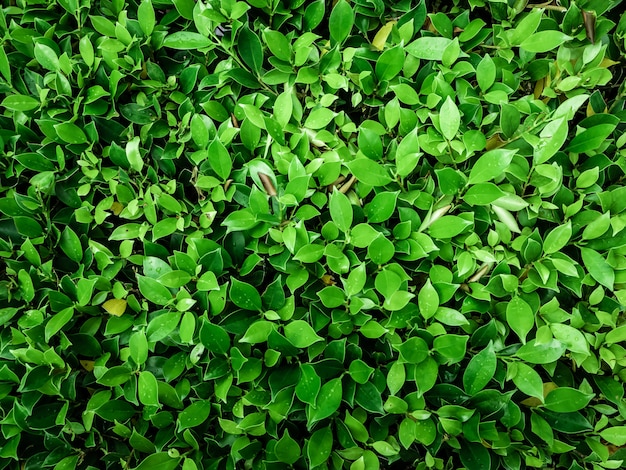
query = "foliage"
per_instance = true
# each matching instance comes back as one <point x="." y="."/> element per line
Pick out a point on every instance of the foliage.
<point x="278" y="233"/>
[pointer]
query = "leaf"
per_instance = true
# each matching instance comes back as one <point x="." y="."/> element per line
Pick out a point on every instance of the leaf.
<point x="598" y="267"/>
<point x="369" y="172"/>
<point x="480" y="370"/>
<point x="146" y="17"/>
<point x="46" y="57"/>
<point x="115" y="307"/>
<point x="278" y="44"/>
<point x="309" y="384"/>
<point x="287" y="449"/>
<point x="301" y="334"/>
<point x="528" y="381"/>
<point x="320" y="446"/>
<point x="159" y="461"/>
<point x="319" y="118"/>
<point x="194" y="415"/>
<point x="219" y="159"/>
<point x="185" y="40"/>
<point x="70" y="133"/>
<point x="544" y="41"/>
<point x="70" y="244"/>
<point x="615" y="435"/>
<point x="553" y="137"/>
<point x="520" y="317"/>
<point x="382" y="34"/>
<point x="214" y="338"/>
<point x="428" y="300"/>
<point x="147" y="389"/>
<point x="390" y="63"/>
<point x="20" y="103"/>
<point x="475" y="456"/>
<point x="483" y="194"/>
<point x="133" y="155"/>
<point x="153" y="290"/>
<point x="244" y="295"/>
<point x="327" y="402"/>
<point x="566" y="400"/>
<point x="541" y="353"/>
<point x="557" y="238"/>
<point x="490" y="165"/>
<point x="340" y="21"/>
<point x="486" y="73"/>
<point x="449" y="119"/>
<point x="340" y="210"/>
<point x="250" y="49"/>
<point x="428" y="48"/>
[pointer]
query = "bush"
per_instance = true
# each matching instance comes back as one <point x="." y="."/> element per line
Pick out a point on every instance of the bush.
<point x="301" y="234"/>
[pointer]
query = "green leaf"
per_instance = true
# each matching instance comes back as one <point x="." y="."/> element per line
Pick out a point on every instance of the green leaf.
<point x="133" y="155"/>
<point x="214" y="338"/>
<point x="590" y="139"/>
<point x="390" y="63"/>
<point x="428" y="300"/>
<point x="327" y="402"/>
<point x="186" y="40"/>
<point x="615" y="435"/>
<point x="490" y="165"/>
<point x="309" y="384"/>
<point x="544" y="41"/>
<point x="278" y="44"/>
<point x="340" y="210"/>
<point x="483" y="194"/>
<point x="486" y="73"/>
<point x="318" y="118"/>
<point x="428" y="48"/>
<point x="520" y="317"/>
<point x="70" y="244"/>
<point x="480" y="370"/>
<point x="475" y="456"/>
<point x="250" y="49"/>
<point x="356" y="280"/>
<point x="448" y="226"/>
<point x="70" y="133"/>
<point x="148" y="389"/>
<point x="159" y="461"/>
<point x="46" y="57"/>
<point x="287" y="449"/>
<point x="369" y="172"/>
<point x="244" y="295"/>
<point x="413" y="351"/>
<point x="219" y="159"/>
<point x="146" y="17"/>
<point x="341" y="21"/>
<point x="553" y="137"/>
<point x="320" y="446"/>
<point x="541" y="353"/>
<point x="194" y="415"/>
<point x="557" y="238"/>
<point x="57" y="322"/>
<point x="528" y="380"/>
<point x="449" y="119"/>
<point x="153" y="290"/>
<point x="566" y="400"/>
<point x="20" y="103"/>
<point x="301" y="334"/>
<point x="309" y="253"/>
<point x="598" y="267"/>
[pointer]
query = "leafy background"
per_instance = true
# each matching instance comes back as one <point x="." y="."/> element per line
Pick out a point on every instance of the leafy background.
<point x="318" y="234"/>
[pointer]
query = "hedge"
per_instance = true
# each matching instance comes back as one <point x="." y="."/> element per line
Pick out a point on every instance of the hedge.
<point x="275" y="234"/>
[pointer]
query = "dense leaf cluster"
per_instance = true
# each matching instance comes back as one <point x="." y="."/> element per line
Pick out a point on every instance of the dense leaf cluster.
<point x="289" y="234"/>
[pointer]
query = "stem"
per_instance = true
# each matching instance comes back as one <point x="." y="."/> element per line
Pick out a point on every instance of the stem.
<point x="547" y="7"/>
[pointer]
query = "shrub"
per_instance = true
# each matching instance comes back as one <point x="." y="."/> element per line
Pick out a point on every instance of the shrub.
<point x="276" y="234"/>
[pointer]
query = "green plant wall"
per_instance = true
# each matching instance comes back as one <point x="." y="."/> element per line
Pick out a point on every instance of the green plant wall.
<point x="312" y="234"/>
